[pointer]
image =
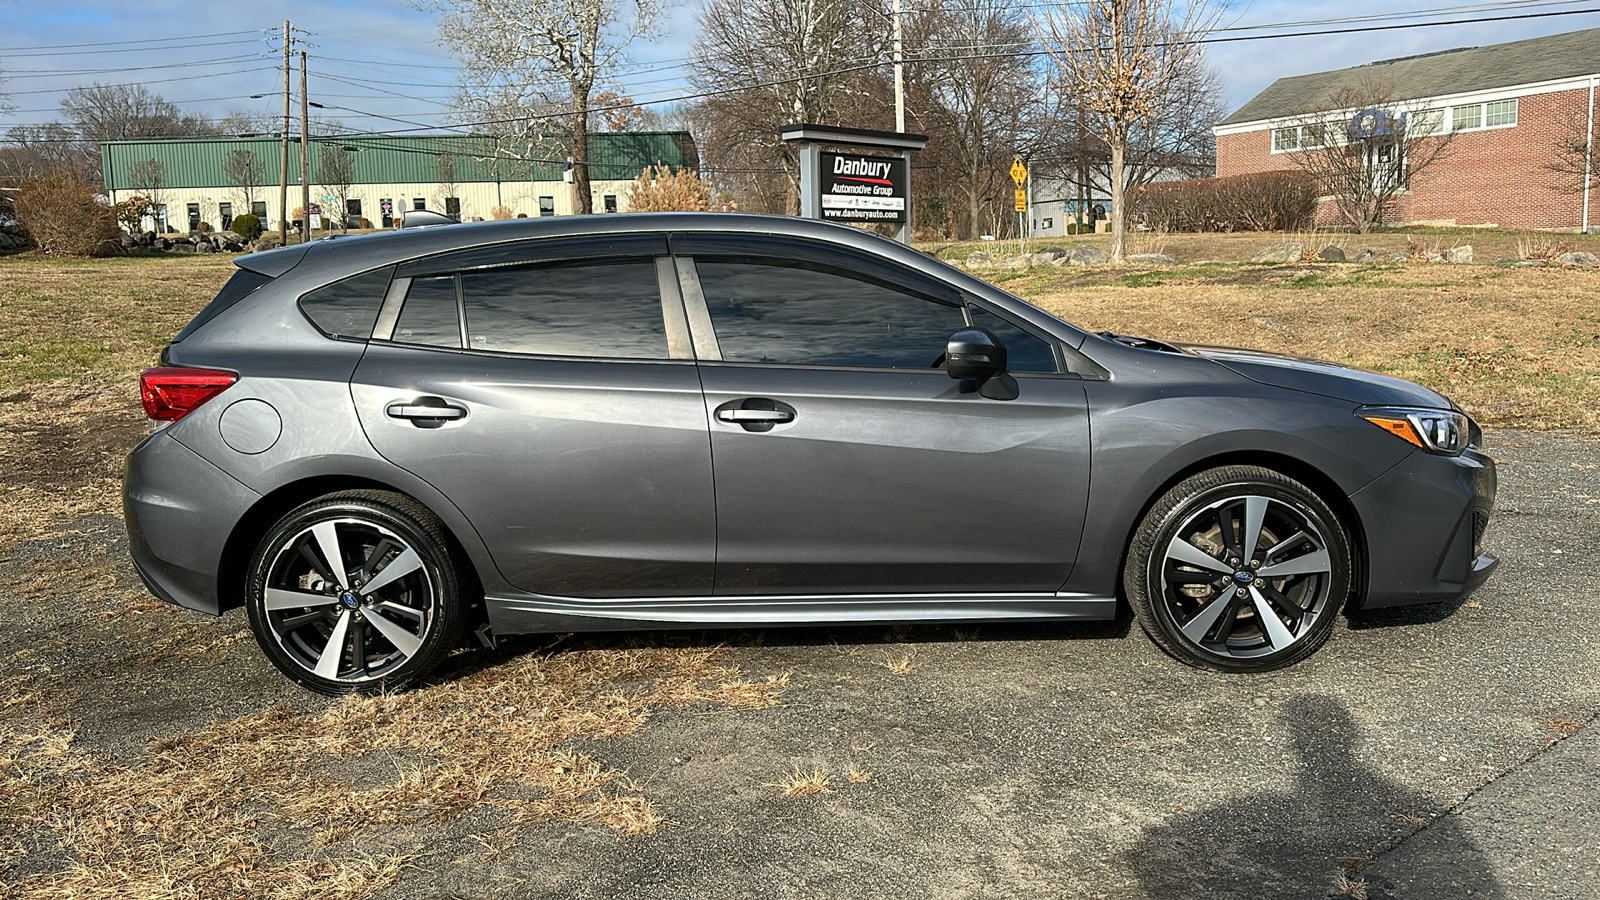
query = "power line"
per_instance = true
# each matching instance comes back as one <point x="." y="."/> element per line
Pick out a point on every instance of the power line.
<point x="65" y="90"/>
<point x="198" y="63"/>
<point x="185" y="37"/>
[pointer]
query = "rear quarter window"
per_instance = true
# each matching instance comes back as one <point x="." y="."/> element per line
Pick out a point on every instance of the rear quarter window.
<point x="348" y="308"/>
<point x="243" y="283"/>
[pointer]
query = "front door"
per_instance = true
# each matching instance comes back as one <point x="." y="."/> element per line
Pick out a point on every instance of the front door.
<point x="846" y="460"/>
<point x="538" y="390"/>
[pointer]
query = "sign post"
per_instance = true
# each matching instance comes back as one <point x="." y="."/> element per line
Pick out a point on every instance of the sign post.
<point x="1019" y="174"/>
<point x="841" y="186"/>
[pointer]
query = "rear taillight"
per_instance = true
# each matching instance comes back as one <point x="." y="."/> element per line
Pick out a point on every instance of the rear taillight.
<point x="172" y="392"/>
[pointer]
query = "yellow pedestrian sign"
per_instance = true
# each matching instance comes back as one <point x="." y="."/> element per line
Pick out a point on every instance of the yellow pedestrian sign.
<point x="1019" y="172"/>
<point x="1022" y="200"/>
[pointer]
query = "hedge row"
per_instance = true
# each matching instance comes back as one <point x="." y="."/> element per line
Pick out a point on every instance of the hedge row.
<point x="1262" y="201"/>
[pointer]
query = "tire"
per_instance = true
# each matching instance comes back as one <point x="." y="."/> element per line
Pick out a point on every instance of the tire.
<point x="394" y="623"/>
<point x="1279" y="602"/>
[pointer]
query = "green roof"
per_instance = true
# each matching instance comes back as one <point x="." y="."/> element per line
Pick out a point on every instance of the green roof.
<point x="1571" y="55"/>
<point x="400" y="159"/>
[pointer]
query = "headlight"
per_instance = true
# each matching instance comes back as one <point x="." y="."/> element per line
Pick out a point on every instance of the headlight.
<point x="1434" y="430"/>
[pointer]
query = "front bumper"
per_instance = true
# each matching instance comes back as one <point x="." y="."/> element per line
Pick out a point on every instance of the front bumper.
<point x="1424" y="523"/>
<point x="179" y="510"/>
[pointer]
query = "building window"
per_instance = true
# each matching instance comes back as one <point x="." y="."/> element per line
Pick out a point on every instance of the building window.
<point x="1049" y="224"/>
<point x="610" y="201"/>
<point x="419" y="203"/>
<point x="352" y="212"/>
<point x="258" y="209"/>
<point x="547" y="206"/>
<point x="1425" y="122"/>
<point x="1462" y="117"/>
<point x="1298" y="137"/>
<point x="1500" y="112"/>
<point x="225" y="213"/>
<point x="452" y="207"/>
<point x="160" y="215"/>
<point x="194" y="216"/>
<point x="386" y="207"/>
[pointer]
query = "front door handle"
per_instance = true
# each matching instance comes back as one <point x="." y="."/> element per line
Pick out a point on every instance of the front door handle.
<point x="771" y="416"/>
<point x="426" y="412"/>
<point x="757" y="414"/>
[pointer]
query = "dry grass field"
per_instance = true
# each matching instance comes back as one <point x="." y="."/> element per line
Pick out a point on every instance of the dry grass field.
<point x="304" y="799"/>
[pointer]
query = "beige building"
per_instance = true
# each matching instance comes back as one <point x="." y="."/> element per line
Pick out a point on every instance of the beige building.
<point x="212" y="180"/>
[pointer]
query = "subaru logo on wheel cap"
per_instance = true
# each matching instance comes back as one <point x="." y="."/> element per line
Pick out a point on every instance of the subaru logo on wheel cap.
<point x="1244" y="577"/>
<point x="349" y="599"/>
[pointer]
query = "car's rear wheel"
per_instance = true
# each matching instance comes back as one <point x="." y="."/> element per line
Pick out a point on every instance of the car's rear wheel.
<point x="1240" y="569"/>
<point x="355" y="592"/>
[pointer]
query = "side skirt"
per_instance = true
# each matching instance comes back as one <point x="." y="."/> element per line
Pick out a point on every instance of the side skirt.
<point x="523" y="615"/>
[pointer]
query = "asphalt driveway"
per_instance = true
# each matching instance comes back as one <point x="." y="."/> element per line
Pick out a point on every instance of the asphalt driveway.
<point x="1431" y="752"/>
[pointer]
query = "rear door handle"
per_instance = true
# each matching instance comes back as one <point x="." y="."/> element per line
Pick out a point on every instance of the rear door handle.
<point x="426" y="412"/>
<point x="773" y="416"/>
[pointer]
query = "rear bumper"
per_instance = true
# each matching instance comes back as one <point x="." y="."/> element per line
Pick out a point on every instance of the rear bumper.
<point x="1424" y="522"/>
<point x="179" y="510"/>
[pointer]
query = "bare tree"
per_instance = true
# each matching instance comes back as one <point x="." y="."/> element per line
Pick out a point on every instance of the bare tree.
<point x="149" y="178"/>
<point x="538" y="58"/>
<point x="985" y="107"/>
<point x="245" y="172"/>
<point x="1123" y="59"/>
<point x="445" y="165"/>
<point x="1574" y="162"/>
<point x="1364" y="148"/>
<point x="336" y="171"/>
<point x="35" y="151"/>
<point x="807" y="57"/>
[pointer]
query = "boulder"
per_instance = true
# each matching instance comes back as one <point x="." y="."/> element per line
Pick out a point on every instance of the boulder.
<point x="183" y="247"/>
<point x="1152" y="259"/>
<point x="1372" y="254"/>
<point x="7" y="242"/>
<point x="265" y="243"/>
<point x="205" y="247"/>
<point x="1520" y="262"/>
<point x="1288" y="251"/>
<point x="1014" y="262"/>
<point x="1461" y="254"/>
<point x="1331" y="254"/>
<point x="1435" y="257"/>
<point x="1399" y="257"/>
<point x="147" y="238"/>
<point x="1049" y="256"/>
<point x="129" y="241"/>
<point x="979" y="259"/>
<point x="1577" y="258"/>
<point x="1088" y="255"/>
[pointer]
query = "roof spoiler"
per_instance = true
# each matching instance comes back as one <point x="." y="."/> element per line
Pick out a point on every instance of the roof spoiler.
<point x="425" y="218"/>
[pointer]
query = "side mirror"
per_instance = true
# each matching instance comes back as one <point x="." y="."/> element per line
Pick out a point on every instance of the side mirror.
<point x="976" y="355"/>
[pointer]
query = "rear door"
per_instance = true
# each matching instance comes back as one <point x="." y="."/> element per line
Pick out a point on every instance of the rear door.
<point x="549" y="391"/>
<point x="847" y="461"/>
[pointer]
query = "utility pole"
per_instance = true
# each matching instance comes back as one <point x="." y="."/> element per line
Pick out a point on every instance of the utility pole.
<point x="283" y="157"/>
<point x="305" y="155"/>
<point x="899" y="76"/>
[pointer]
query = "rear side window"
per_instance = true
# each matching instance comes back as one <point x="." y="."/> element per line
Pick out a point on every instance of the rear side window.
<point x="607" y="309"/>
<point x="430" y="315"/>
<point x="243" y="283"/>
<point x="348" y="308"/>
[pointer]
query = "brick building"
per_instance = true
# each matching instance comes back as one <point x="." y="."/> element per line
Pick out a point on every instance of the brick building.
<point x="1510" y="106"/>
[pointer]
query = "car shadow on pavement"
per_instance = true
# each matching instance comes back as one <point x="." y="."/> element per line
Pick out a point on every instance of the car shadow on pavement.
<point x="1400" y="616"/>
<point x="1311" y="840"/>
<point x="512" y="646"/>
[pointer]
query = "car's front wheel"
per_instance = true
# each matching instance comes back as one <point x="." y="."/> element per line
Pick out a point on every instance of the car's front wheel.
<point x="355" y="592"/>
<point x="1238" y="568"/>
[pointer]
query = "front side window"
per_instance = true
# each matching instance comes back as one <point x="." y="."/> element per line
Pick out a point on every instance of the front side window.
<point x="1024" y="352"/>
<point x="794" y="313"/>
<point x="597" y="308"/>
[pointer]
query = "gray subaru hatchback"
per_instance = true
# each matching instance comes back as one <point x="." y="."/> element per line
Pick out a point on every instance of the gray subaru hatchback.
<point x="378" y="445"/>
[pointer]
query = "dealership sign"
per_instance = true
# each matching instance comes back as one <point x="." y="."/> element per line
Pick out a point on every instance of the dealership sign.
<point x="859" y="188"/>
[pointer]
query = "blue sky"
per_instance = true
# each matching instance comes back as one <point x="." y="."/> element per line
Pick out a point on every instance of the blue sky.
<point x="390" y="65"/>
